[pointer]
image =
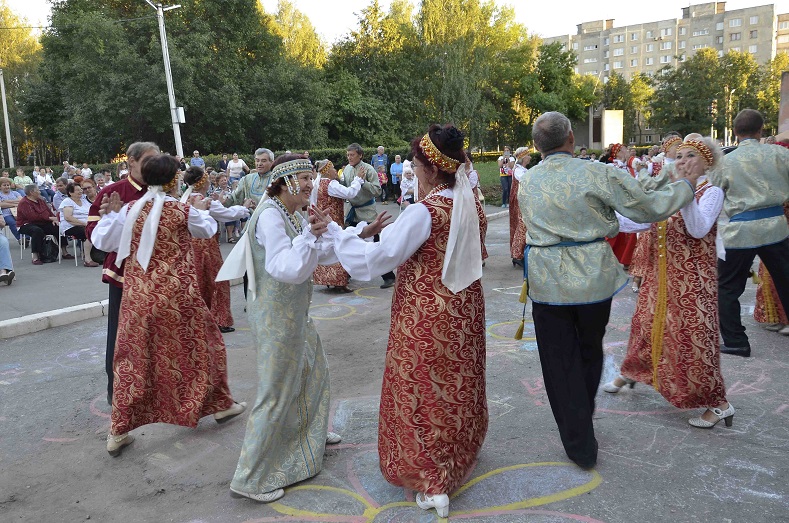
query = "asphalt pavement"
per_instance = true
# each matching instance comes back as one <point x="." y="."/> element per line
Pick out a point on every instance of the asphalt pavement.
<point x="653" y="467"/>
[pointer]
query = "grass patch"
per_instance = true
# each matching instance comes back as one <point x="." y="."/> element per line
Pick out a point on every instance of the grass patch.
<point x="489" y="181"/>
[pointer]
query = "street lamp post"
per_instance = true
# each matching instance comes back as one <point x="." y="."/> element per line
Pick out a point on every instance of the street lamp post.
<point x="7" y="125"/>
<point x="175" y="112"/>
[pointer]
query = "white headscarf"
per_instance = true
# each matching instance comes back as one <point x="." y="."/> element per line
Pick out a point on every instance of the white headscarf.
<point x="463" y="258"/>
<point x="149" y="229"/>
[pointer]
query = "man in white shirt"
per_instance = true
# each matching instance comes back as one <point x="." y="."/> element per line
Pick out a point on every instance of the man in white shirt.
<point x="86" y="171"/>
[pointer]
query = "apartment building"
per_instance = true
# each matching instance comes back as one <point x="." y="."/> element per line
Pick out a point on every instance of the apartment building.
<point x="603" y="49"/>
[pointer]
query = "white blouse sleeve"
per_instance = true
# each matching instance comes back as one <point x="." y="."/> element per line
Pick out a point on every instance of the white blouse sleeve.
<point x="201" y="225"/>
<point x="106" y="236"/>
<point x="227" y="214"/>
<point x="628" y="225"/>
<point x="701" y="216"/>
<point x="338" y="190"/>
<point x="286" y="261"/>
<point x="399" y="241"/>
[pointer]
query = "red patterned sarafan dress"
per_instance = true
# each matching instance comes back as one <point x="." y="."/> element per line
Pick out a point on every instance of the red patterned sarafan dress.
<point x="433" y="415"/>
<point x="216" y="294"/>
<point x="170" y="362"/>
<point x="483" y="225"/>
<point x="674" y="341"/>
<point x="768" y="305"/>
<point x="330" y="274"/>
<point x="517" y="227"/>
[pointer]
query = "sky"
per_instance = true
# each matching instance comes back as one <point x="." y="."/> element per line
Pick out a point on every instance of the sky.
<point x="335" y="18"/>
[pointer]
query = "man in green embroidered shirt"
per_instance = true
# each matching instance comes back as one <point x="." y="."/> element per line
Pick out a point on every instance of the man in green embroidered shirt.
<point x="568" y="207"/>
<point x="755" y="181"/>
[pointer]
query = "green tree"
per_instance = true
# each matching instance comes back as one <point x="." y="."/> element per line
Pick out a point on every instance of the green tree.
<point x="768" y="95"/>
<point x="298" y="36"/>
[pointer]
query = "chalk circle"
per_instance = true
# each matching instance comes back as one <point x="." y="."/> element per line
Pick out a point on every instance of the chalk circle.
<point x="358" y="292"/>
<point x="506" y="330"/>
<point x="485" y="499"/>
<point x="514" y="291"/>
<point x="350" y="311"/>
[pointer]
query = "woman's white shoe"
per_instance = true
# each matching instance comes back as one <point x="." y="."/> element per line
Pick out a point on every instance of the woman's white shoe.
<point x="726" y="415"/>
<point x="266" y="497"/>
<point x="440" y="502"/>
<point x="332" y="438"/>
<point x="613" y="388"/>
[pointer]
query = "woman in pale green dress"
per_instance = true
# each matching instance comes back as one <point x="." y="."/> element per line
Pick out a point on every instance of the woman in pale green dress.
<point x="287" y="428"/>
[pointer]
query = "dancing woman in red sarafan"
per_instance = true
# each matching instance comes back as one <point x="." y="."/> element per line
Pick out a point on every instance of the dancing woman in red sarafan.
<point x="674" y="339"/>
<point x="433" y="414"/>
<point x="208" y="257"/>
<point x="170" y="362"/>
<point x="517" y="226"/>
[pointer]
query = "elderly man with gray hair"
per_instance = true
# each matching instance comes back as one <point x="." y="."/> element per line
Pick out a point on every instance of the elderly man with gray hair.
<point x="253" y="186"/>
<point x="571" y="273"/>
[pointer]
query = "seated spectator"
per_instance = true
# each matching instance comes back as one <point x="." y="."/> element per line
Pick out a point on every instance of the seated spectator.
<point x="6" y="266"/>
<point x="45" y="183"/>
<point x="60" y="192"/>
<point x="74" y="217"/>
<point x="102" y="179"/>
<point x="21" y="180"/>
<point x="407" y="185"/>
<point x="35" y="219"/>
<point x="9" y="200"/>
<point x="89" y="190"/>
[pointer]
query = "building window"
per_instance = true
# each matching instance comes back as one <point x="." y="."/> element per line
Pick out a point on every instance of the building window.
<point x="701" y="32"/>
<point x="754" y="34"/>
<point x="665" y="59"/>
<point x="719" y="26"/>
<point x="736" y="49"/>
<point x="618" y="65"/>
<point x="719" y="39"/>
<point x="618" y="39"/>
<point x="754" y="20"/>
<point x="650" y="48"/>
<point x="720" y="54"/>
<point x="752" y="49"/>
<point x="683" y="31"/>
<point x="682" y="44"/>
<point x="590" y="60"/>
<point x="735" y="22"/>
<point x="666" y="32"/>
<point x="783" y="25"/>
<point x="606" y="67"/>
<point x="605" y="54"/>
<point x="575" y="46"/>
<point x="634" y="49"/>
<point x="605" y="41"/>
<point x="649" y="61"/>
<point x="647" y="126"/>
<point x="634" y="63"/>
<point x="590" y="47"/>
<point x="699" y="46"/>
<point x="665" y="45"/>
<point x="649" y="34"/>
<point x="619" y="52"/>
<point x="593" y="72"/>
<point x="648" y="138"/>
<point x="633" y="36"/>
<point x="735" y="36"/>
<point x="783" y="39"/>
<point x="682" y="58"/>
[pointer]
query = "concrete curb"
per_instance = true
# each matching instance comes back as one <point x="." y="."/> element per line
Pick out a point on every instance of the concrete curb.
<point x="59" y="317"/>
<point x="497" y="215"/>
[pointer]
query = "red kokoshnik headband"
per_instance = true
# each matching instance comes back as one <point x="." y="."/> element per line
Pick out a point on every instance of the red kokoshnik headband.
<point x="701" y="148"/>
<point x="436" y="157"/>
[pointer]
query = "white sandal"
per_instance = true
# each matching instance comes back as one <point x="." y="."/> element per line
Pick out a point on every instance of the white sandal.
<point x="440" y="502"/>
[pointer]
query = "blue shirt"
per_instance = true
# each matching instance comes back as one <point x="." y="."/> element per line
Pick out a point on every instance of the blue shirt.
<point x="395" y="172"/>
<point x="197" y="162"/>
<point x="379" y="159"/>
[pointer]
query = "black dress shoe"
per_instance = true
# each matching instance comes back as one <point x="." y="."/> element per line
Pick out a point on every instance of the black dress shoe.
<point x="387" y="284"/>
<point x="226" y="329"/>
<point x="745" y="352"/>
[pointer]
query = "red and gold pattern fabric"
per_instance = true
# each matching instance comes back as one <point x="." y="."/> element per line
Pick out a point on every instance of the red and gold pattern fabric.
<point x="483" y="225"/>
<point x="170" y="362"/>
<point x="433" y="413"/>
<point x="643" y="254"/>
<point x="330" y="274"/>
<point x="216" y="294"/>
<point x="517" y="227"/>
<point x="674" y="341"/>
<point x="768" y="305"/>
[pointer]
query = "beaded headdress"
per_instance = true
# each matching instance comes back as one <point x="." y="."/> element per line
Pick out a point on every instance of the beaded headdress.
<point x="325" y="168"/>
<point x="291" y="169"/>
<point x="701" y="148"/>
<point x="436" y="157"/>
<point x="670" y="142"/>
<point x="615" y="150"/>
<point x="523" y="153"/>
<point x="200" y="183"/>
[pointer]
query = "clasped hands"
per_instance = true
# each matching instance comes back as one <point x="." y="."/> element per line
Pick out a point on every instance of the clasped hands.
<point x="320" y="220"/>
<point x="113" y="203"/>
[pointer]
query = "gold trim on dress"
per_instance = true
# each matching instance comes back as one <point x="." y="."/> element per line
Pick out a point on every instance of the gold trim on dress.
<point x="659" y="318"/>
